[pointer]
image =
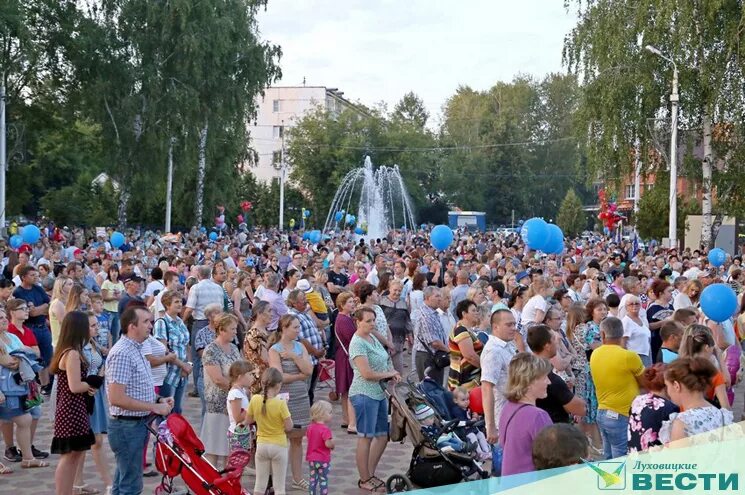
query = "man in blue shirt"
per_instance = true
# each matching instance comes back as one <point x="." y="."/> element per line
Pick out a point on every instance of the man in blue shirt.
<point x="38" y="305"/>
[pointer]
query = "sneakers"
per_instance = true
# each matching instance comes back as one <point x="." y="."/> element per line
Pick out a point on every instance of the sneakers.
<point x="300" y="485"/>
<point x="38" y="454"/>
<point x="12" y="454"/>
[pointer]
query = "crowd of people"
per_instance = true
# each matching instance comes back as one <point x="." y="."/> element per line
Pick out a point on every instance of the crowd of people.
<point x="598" y="352"/>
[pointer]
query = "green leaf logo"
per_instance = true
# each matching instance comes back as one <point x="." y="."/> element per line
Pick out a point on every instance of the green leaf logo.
<point x="610" y="479"/>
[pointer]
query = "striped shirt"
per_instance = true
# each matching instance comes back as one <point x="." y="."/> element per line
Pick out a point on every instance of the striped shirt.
<point x="126" y="365"/>
<point x="308" y="331"/>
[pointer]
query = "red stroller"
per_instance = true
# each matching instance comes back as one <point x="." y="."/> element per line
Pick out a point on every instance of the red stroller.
<point x="179" y="452"/>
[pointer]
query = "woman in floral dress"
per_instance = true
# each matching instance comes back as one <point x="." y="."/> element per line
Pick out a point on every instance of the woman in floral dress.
<point x="256" y="343"/>
<point x="586" y="338"/>
<point x="650" y="411"/>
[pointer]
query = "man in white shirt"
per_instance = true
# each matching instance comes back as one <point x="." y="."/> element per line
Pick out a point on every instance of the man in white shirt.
<point x="495" y="360"/>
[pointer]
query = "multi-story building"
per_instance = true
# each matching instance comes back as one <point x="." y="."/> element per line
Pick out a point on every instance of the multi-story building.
<point x="278" y="110"/>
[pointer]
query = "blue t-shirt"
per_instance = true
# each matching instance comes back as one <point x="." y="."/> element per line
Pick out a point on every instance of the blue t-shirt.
<point x="38" y="297"/>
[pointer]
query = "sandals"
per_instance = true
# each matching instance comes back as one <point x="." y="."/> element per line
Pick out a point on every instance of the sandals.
<point x="34" y="463"/>
<point x="372" y="484"/>
<point x="85" y="490"/>
<point x="5" y="469"/>
<point x="301" y="485"/>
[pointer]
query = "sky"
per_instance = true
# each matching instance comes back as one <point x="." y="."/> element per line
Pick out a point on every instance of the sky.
<point x="378" y="50"/>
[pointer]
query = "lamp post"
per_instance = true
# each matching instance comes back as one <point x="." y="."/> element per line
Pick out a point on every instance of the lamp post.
<point x="673" y="218"/>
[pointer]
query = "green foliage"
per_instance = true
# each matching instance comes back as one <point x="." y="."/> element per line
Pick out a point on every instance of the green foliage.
<point x="323" y="147"/>
<point x="571" y="218"/>
<point x="654" y="210"/>
<point x="82" y="73"/>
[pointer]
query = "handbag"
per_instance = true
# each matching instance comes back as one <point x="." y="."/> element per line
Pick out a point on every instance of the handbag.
<point x="497" y="450"/>
<point x="440" y="359"/>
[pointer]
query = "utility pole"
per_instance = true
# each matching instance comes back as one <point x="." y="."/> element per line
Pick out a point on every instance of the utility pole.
<point x="282" y="179"/>
<point x="3" y="158"/>
<point x="169" y="185"/>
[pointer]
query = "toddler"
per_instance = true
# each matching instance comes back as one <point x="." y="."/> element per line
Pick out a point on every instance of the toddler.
<point x="320" y="443"/>
<point x="461" y="397"/>
<point x="448" y="442"/>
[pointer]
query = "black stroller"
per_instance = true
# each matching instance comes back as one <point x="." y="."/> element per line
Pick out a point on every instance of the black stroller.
<point x="430" y="466"/>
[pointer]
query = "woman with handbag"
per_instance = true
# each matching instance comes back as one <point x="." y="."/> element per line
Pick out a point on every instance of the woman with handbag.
<point x="344" y="329"/>
<point x="520" y="420"/>
<point x="11" y="408"/>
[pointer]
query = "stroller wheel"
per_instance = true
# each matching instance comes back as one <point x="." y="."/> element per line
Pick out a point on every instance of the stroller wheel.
<point x="398" y="483"/>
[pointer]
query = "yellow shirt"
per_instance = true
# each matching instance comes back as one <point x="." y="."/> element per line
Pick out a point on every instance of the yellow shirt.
<point x="317" y="305"/>
<point x="270" y="425"/>
<point x="614" y="371"/>
<point x="112" y="306"/>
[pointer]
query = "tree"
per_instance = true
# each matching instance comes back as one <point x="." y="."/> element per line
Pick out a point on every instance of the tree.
<point x="654" y="210"/>
<point x="625" y="86"/>
<point x="411" y="110"/>
<point x="571" y="217"/>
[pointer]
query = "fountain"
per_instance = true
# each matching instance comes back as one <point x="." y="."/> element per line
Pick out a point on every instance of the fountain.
<point x="378" y="197"/>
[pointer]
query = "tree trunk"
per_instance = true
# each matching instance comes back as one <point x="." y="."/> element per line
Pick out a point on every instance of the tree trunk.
<point x="201" y="169"/>
<point x="706" y="225"/>
<point x="123" y="205"/>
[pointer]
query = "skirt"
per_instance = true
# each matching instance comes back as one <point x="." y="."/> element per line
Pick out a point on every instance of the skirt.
<point x="100" y="416"/>
<point x="214" y="434"/>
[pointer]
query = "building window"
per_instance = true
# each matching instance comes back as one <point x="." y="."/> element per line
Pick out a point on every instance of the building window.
<point x="277" y="159"/>
<point x="275" y="106"/>
<point x="277" y="131"/>
<point x="630" y="190"/>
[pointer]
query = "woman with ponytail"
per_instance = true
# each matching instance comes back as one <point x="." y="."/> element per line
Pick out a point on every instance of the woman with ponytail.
<point x="273" y="422"/>
<point x="687" y="378"/>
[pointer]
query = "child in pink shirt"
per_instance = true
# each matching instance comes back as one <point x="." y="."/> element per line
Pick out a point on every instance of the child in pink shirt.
<point x="320" y="443"/>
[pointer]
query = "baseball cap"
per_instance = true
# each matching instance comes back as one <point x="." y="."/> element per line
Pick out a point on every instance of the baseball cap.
<point x="304" y="286"/>
<point x="132" y="278"/>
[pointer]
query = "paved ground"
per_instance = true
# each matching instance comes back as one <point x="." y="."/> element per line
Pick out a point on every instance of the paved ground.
<point x="343" y="477"/>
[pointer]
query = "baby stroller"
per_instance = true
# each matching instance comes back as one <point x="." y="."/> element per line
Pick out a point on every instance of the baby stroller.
<point x="430" y="466"/>
<point x="179" y="452"/>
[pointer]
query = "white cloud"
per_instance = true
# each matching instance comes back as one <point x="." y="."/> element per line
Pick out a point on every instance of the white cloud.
<point x="378" y="50"/>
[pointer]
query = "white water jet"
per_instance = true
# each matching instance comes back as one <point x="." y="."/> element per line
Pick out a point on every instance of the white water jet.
<point x="377" y="198"/>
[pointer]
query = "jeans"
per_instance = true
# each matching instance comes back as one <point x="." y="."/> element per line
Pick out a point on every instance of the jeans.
<point x="646" y="360"/>
<point x="44" y="339"/>
<point x="114" y="326"/>
<point x="127" y="439"/>
<point x="614" y="432"/>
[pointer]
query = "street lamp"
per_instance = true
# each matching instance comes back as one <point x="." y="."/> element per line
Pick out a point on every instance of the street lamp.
<point x="673" y="218"/>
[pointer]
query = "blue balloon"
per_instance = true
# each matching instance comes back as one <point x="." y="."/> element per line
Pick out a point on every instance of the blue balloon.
<point x="213" y="236"/>
<point x="325" y="237"/>
<point x="555" y="240"/>
<point x="359" y="231"/>
<point x="315" y="236"/>
<point x="423" y="226"/>
<point x="203" y="229"/>
<point x="306" y="236"/>
<point x="534" y="233"/>
<point x="30" y="234"/>
<point x="351" y="219"/>
<point x="306" y="213"/>
<point x="339" y="215"/>
<point x="717" y="257"/>
<point x="441" y="237"/>
<point x="16" y="241"/>
<point x="117" y="239"/>
<point x="718" y="302"/>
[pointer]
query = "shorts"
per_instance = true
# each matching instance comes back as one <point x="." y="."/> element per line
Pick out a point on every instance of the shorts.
<point x="372" y="416"/>
<point x="35" y="412"/>
<point x="44" y="341"/>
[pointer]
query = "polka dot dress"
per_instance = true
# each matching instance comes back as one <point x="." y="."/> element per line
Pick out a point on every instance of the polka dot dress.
<point x="72" y="426"/>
